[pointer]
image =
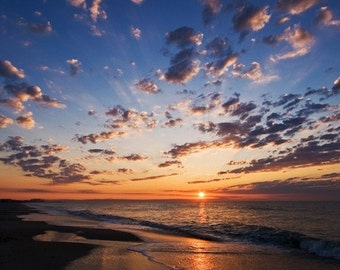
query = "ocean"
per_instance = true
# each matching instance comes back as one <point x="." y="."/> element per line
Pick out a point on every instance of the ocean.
<point x="309" y="229"/>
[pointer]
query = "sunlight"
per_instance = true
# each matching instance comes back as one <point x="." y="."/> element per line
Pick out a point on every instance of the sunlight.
<point x="201" y="195"/>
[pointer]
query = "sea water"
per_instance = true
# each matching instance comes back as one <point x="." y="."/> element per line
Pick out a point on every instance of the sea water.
<point x="312" y="227"/>
<point x="305" y="227"/>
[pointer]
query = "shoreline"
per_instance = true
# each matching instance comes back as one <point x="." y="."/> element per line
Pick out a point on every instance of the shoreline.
<point x="22" y="246"/>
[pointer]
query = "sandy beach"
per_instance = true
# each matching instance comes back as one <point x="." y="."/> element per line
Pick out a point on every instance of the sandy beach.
<point x="18" y="249"/>
<point x="67" y="242"/>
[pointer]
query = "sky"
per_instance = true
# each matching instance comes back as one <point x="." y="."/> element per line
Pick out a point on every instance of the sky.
<point x="155" y="99"/>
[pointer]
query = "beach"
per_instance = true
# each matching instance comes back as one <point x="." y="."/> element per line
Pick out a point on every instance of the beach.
<point x="18" y="249"/>
<point x="67" y="242"/>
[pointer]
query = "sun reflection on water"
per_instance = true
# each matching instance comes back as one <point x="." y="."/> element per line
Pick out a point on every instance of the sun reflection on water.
<point x="202" y="213"/>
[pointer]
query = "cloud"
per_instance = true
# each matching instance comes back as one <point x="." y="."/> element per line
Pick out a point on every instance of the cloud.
<point x="8" y="70"/>
<point x="96" y="10"/>
<point x="102" y="151"/>
<point x="5" y="121"/>
<point x="18" y="93"/>
<point x="324" y="92"/>
<point x="95" y="137"/>
<point x="257" y="126"/>
<point x="205" y="103"/>
<point x="40" y="161"/>
<point x="75" y="66"/>
<point x="183" y="37"/>
<point x="325" y="17"/>
<point x="321" y="151"/>
<point x="250" y="18"/>
<point x="91" y="112"/>
<point x="188" y="148"/>
<point x="207" y="181"/>
<point x="130" y="119"/>
<point x="148" y="86"/>
<point x="134" y="157"/>
<point x="40" y="28"/>
<point x="69" y="173"/>
<point x="47" y="101"/>
<point x="125" y="171"/>
<point x="283" y="19"/>
<point x="77" y="3"/>
<point x="210" y="8"/>
<point x="12" y="144"/>
<point x="336" y="86"/>
<point x="137" y="2"/>
<point x="173" y="122"/>
<point x="153" y="177"/>
<point x="135" y="32"/>
<point x="295" y="7"/>
<point x="184" y="66"/>
<point x="169" y="163"/>
<point x="26" y="120"/>
<point x="273" y="39"/>
<point x="254" y="73"/>
<point x="219" y="67"/>
<point x="301" y="41"/>
<point x="91" y="12"/>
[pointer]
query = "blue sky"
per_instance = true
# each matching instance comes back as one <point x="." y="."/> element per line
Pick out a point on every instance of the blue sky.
<point x="150" y="99"/>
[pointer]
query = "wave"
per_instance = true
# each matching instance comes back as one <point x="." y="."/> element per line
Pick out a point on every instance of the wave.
<point x="232" y="231"/>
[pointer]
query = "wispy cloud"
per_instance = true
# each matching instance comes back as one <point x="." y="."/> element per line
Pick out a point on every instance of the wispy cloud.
<point x="154" y="177"/>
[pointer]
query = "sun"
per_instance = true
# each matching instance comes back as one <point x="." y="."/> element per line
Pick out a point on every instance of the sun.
<point x="201" y="195"/>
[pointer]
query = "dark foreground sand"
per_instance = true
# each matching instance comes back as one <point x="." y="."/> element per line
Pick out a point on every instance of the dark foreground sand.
<point x="18" y="250"/>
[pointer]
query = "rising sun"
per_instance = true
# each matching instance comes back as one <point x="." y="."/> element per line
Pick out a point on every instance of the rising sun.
<point x="201" y="194"/>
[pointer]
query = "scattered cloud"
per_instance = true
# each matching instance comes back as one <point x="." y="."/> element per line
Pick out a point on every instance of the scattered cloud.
<point x="325" y="17"/>
<point x="295" y="7"/>
<point x="137" y="2"/>
<point x="169" y="163"/>
<point x="95" y="137"/>
<point x="77" y="3"/>
<point x="184" y="66"/>
<point x="40" y="28"/>
<point x="301" y="41"/>
<point x="336" y="86"/>
<point x="26" y="120"/>
<point x="19" y="93"/>
<point x="75" y="66"/>
<point x="8" y="70"/>
<point x="41" y="161"/>
<point x="134" y="157"/>
<point x="173" y="122"/>
<point x="5" y="121"/>
<point x="254" y="73"/>
<point x="147" y="85"/>
<point x="96" y="10"/>
<point x="184" y="37"/>
<point x="188" y="148"/>
<point x="250" y="18"/>
<point x="136" y="32"/>
<point x="210" y="9"/>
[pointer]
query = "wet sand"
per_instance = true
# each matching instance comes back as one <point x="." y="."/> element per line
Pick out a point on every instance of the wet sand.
<point x="66" y="247"/>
